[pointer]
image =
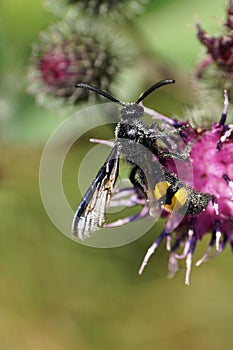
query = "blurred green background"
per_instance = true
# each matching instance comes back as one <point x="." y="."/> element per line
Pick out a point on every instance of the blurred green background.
<point x="56" y="294"/>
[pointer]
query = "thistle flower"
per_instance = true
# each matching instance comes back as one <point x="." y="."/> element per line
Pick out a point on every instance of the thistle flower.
<point x="219" y="49"/>
<point x="69" y="52"/>
<point x="212" y="160"/>
<point x="120" y="8"/>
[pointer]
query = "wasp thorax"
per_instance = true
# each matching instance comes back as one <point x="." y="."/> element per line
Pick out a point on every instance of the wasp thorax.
<point x="132" y="110"/>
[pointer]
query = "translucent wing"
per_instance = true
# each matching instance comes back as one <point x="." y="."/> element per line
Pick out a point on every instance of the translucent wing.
<point x="91" y="213"/>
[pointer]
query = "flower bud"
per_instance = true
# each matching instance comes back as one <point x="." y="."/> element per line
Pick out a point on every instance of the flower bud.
<point x="219" y="50"/>
<point x="70" y="52"/>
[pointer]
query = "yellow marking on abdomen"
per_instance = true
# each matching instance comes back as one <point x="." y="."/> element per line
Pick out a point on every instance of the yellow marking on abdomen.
<point x="177" y="201"/>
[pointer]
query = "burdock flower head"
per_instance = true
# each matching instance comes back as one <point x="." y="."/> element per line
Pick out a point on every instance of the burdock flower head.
<point x="69" y="52"/>
<point x="211" y="156"/>
<point x="219" y="49"/>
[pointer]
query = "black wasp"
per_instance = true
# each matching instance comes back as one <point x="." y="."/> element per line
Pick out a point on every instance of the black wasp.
<point x="153" y="183"/>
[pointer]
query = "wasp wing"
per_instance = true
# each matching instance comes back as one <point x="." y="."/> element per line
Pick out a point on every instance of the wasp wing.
<point x="91" y="213"/>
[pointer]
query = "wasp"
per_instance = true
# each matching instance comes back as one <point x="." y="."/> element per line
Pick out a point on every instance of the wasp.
<point x="145" y="149"/>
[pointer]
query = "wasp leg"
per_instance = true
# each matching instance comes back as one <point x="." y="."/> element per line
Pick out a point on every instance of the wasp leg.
<point x="138" y="197"/>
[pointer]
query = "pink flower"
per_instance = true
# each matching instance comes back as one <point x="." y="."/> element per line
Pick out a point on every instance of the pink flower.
<point x="69" y="52"/>
<point x="54" y="68"/>
<point x="211" y="156"/>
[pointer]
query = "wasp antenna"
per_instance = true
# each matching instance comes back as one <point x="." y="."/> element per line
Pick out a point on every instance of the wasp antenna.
<point x="154" y="87"/>
<point x="98" y="91"/>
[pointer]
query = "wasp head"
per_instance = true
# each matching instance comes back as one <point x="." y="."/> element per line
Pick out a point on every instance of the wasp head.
<point x="132" y="110"/>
